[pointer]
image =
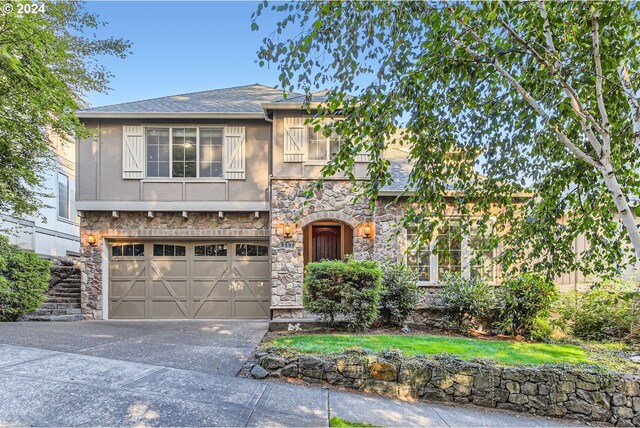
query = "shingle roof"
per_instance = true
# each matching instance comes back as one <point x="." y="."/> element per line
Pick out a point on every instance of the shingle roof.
<point x="238" y="99"/>
<point x="399" y="168"/>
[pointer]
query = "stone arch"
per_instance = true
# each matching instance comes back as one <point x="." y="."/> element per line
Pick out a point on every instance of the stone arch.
<point x="329" y="215"/>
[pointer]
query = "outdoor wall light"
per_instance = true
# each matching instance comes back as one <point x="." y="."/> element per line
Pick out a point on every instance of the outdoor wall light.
<point x="286" y="230"/>
<point x="91" y="239"/>
<point x="367" y="230"/>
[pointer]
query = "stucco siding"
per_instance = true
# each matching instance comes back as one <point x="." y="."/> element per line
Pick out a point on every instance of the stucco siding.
<point x="100" y="173"/>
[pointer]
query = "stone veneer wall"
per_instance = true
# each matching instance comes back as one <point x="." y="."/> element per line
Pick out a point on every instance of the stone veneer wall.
<point x="335" y="201"/>
<point x="138" y="225"/>
<point x="561" y="391"/>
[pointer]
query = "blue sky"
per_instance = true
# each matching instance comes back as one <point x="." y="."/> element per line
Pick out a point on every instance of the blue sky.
<point x="181" y="47"/>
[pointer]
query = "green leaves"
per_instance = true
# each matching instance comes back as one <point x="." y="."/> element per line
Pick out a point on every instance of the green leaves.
<point x="47" y="63"/>
<point x="423" y="76"/>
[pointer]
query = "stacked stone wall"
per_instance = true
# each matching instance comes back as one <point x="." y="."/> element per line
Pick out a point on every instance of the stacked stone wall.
<point x="572" y="392"/>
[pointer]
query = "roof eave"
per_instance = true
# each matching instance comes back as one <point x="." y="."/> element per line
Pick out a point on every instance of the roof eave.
<point x="287" y="106"/>
<point x="449" y="193"/>
<point x="169" y="115"/>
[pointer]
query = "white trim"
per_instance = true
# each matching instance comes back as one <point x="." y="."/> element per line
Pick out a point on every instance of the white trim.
<point x="105" y="279"/>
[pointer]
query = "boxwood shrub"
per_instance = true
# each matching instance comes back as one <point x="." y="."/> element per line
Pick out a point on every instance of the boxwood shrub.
<point x="350" y="289"/>
<point x="24" y="278"/>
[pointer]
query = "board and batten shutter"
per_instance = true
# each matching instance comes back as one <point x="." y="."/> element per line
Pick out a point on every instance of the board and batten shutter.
<point x="295" y="139"/>
<point x="234" y="142"/>
<point x="132" y="152"/>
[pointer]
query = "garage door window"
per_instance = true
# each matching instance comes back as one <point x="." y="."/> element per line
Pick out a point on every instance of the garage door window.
<point x="169" y="250"/>
<point x="211" y="250"/>
<point x="128" y="250"/>
<point x="251" y="250"/>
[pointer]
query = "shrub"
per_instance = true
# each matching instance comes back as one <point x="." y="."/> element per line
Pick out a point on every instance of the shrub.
<point x="399" y="293"/>
<point x="24" y="277"/>
<point x="523" y="301"/>
<point x="466" y="301"/>
<point x="351" y="289"/>
<point x="599" y="313"/>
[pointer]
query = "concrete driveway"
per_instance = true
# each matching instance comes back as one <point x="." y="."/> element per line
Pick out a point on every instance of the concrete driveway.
<point x="205" y="346"/>
<point x="180" y="374"/>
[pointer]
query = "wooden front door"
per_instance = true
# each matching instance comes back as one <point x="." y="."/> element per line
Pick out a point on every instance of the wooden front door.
<point x="325" y="243"/>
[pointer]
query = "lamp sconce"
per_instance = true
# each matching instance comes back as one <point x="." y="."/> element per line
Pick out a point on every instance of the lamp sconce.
<point x="367" y="230"/>
<point x="91" y="239"/>
<point x="287" y="230"/>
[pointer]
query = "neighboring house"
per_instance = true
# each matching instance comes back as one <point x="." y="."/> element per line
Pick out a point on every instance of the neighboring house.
<point x="193" y="206"/>
<point x="55" y="231"/>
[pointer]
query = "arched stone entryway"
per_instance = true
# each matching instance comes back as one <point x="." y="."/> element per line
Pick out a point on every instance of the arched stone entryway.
<point x="327" y="240"/>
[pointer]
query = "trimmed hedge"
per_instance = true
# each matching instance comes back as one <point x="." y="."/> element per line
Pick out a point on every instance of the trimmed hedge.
<point x="351" y="289"/>
<point x="24" y="278"/>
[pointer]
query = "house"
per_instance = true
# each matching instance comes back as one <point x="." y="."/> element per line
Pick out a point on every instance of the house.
<point x="55" y="230"/>
<point x="193" y="206"/>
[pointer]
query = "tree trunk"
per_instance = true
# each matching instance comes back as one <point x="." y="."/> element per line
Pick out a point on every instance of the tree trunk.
<point x="620" y="200"/>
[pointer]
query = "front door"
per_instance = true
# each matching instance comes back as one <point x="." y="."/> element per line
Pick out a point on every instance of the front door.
<point x="325" y="243"/>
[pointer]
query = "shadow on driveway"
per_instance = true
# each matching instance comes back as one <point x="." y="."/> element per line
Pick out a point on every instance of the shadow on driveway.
<point x="220" y="347"/>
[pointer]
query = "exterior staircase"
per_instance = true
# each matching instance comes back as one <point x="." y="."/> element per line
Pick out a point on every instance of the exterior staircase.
<point x="63" y="297"/>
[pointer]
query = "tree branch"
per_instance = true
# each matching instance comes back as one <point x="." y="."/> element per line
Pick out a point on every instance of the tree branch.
<point x="576" y="105"/>
<point x="625" y="79"/>
<point x="535" y="105"/>
<point x="606" y="149"/>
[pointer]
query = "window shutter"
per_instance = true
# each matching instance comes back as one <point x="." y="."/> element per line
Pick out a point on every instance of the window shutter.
<point x="234" y="141"/>
<point x="132" y="152"/>
<point x="362" y="156"/>
<point x="295" y="139"/>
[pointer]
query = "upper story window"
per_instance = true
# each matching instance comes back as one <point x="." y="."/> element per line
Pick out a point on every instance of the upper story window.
<point x="64" y="207"/>
<point x="319" y="147"/>
<point x="184" y="152"/>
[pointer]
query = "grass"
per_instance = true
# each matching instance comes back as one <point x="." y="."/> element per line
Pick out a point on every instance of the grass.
<point x="339" y="422"/>
<point x="504" y="352"/>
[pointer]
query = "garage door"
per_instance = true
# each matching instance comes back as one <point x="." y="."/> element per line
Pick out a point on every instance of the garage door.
<point x="189" y="280"/>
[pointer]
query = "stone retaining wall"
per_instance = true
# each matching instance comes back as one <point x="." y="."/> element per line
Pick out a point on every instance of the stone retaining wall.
<point x="62" y="301"/>
<point x="573" y="392"/>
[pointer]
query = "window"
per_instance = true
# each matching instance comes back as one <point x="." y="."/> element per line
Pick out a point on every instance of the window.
<point x="481" y="259"/>
<point x="321" y="148"/>
<point x="169" y="250"/>
<point x="432" y="265"/>
<point x="251" y="250"/>
<point x="420" y="260"/>
<point x="184" y="152"/>
<point x="128" y="250"/>
<point x="211" y="250"/>
<point x="64" y="209"/>
<point x="210" y="152"/>
<point x="450" y="252"/>
<point x="158" y="152"/>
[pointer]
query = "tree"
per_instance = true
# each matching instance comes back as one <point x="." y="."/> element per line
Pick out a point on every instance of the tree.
<point x="47" y="64"/>
<point x="494" y="99"/>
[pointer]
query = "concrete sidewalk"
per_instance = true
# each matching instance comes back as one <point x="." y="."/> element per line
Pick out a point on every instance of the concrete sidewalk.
<point x="52" y="388"/>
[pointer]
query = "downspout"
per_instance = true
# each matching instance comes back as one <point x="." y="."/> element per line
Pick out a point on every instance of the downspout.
<point x="269" y="193"/>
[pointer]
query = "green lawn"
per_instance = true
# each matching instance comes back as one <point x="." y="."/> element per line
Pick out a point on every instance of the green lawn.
<point x="509" y="353"/>
<point x="339" y="422"/>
